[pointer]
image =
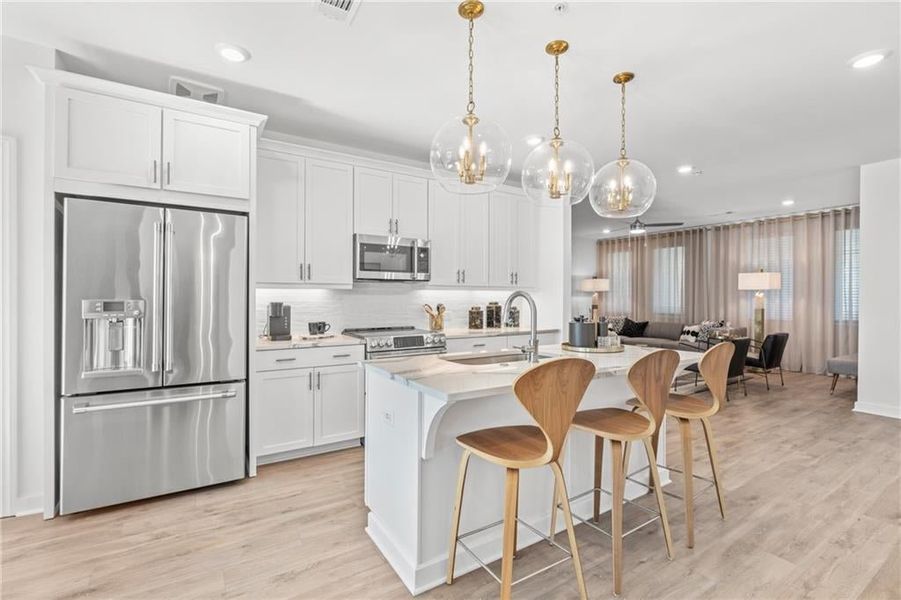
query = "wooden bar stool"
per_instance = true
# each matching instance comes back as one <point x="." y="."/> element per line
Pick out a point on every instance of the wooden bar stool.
<point x="551" y="393"/>
<point x="714" y="368"/>
<point x="649" y="378"/>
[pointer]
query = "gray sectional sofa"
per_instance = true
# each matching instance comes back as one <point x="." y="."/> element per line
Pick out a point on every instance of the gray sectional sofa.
<point x="666" y="335"/>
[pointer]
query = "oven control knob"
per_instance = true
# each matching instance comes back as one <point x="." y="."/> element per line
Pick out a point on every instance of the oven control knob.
<point x="428" y="339"/>
<point x="389" y="342"/>
<point x="381" y="343"/>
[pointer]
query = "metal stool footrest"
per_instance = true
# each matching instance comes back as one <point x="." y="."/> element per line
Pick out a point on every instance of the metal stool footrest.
<point x="600" y="529"/>
<point x="709" y="481"/>
<point x="526" y="525"/>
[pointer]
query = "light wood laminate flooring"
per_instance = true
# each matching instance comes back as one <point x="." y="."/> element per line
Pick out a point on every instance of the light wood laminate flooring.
<point x="812" y="500"/>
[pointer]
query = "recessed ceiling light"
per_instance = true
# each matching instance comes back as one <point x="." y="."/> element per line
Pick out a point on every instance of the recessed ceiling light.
<point x="869" y="59"/>
<point x="605" y="230"/>
<point x="232" y="53"/>
<point x="788" y="202"/>
<point x="685" y="169"/>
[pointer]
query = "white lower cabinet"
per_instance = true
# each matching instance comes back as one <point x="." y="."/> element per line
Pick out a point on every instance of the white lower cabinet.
<point x="477" y="344"/>
<point x="307" y="399"/>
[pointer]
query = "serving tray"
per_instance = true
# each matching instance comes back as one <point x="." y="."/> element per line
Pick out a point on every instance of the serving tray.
<point x="607" y="350"/>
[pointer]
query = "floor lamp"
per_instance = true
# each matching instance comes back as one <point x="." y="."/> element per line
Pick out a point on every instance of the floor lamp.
<point x="597" y="286"/>
<point x="758" y="282"/>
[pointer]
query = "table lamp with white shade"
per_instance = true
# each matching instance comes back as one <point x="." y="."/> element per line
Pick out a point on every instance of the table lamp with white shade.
<point x="758" y="282"/>
<point x="596" y="285"/>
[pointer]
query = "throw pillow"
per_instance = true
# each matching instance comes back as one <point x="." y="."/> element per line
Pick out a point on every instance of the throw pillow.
<point x="707" y="327"/>
<point x="690" y="334"/>
<point x="633" y="328"/>
<point x="615" y="324"/>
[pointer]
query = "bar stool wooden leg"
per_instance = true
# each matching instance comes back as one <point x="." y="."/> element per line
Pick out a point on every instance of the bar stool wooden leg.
<point x="598" y="472"/>
<point x="511" y="491"/>
<point x="658" y="492"/>
<point x="627" y="450"/>
<point x="688" y="483"/>
<point x="554" y="503"/>
<point x="570" y="529"/>
<point x="711" y="451"/>
<point x="619" y="485"/>
<point x="455" y="521"/>
<point x="516" y="526"/>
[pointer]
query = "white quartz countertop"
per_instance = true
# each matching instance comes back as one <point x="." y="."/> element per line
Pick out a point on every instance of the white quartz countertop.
<point x="451" y="381"/>
<point x="299" y="343"/>
<point x="468" y="333"/>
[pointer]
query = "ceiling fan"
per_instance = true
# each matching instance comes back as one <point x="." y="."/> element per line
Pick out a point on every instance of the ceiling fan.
<point x="638" y="226"/>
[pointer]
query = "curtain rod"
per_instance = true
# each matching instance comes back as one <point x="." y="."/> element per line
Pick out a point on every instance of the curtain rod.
<point x="819" y="211"/>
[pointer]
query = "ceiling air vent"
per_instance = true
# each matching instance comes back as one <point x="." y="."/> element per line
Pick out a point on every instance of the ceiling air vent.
<point x="197" y="90"/>
<point x="340" y="10"/>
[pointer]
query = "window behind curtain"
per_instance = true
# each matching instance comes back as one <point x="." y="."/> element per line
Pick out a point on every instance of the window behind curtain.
<point x="619" y="298"/>
<point x="777" y="256"/>
<point x="669" y="280"/>
<point x="847" y="274"/>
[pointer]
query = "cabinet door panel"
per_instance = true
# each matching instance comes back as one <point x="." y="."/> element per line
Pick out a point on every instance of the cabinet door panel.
<point x="284" y="411"/>
<point x="524" y="251"/>
<point x="474" y="239"/>
<point x="477" y="344"/>
<point x="329" y="222"/>
<point x="279" y="247"/>
<point x="203" y="155"/>
<point x="107" y="140"/>
<point x="502" y="220"/>
<point x="411" y="206"/>
<point x="372" y="201"/>
<point x="339" y="404"/>
<point x="444" y="233"/>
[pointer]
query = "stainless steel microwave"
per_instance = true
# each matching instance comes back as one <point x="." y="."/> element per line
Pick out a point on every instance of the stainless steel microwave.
<point x="391" y="258"/>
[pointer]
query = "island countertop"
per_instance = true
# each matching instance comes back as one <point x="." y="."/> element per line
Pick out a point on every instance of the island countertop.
<point x="438" y="377"/>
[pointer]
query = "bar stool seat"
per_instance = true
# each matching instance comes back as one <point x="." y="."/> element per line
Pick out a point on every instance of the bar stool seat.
<point x="616" y="423"/>
<point x="689" y="407"/>
<point x="516" y="447"/>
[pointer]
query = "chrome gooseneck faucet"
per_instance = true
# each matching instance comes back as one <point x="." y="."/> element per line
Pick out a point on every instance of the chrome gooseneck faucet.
<point x="532" y="349"/>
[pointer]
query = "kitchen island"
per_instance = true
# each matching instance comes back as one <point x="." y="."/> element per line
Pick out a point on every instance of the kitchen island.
<point x="417" y="406"/>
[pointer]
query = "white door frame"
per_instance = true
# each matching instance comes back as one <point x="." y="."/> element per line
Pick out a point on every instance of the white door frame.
<point x="8" y="328"/>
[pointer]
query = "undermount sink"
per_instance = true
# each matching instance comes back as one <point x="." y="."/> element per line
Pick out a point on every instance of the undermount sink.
<point x="494" y="358"/>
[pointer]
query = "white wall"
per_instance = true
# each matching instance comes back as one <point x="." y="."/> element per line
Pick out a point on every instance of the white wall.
<point x="879" y="354"/>
<point x="23" y="119"/>
<point x="584" y="266"/>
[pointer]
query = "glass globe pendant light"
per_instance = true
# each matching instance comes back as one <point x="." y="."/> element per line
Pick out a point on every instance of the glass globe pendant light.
<point x="626" y="187"/>
<point x="470" y="155"/>
<point x="557" y="170"/>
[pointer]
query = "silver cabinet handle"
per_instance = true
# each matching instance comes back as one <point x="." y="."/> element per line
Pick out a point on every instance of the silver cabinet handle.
<point x="88" y="408"/>
<point x="286" y="359"/>
<point x="311" y="381"/>
<point x="396" y="226"/>
<point x="154" y="170"/>
<point x="517" y="278"/>
<point x="157" y="300"/>
<point x="309" y="271"/>
<point x="301" y="271"/>
<point x="464" y="275"/>
<point x="168" y="172"/>
<point x="511" y="277"/>
<point x="458" y="275"/>
<point x="170" y="235"/>
<point x="340" y="355"/>
<point x="390" y="230"/>
<point x="479" y="345"/>
<point x="318" y="380"/>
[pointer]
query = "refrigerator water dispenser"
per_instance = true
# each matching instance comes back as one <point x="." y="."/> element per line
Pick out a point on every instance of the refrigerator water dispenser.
<point x="113" y="333"/>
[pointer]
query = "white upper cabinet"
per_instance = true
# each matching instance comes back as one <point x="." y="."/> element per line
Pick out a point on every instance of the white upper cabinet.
<point x="107" y="140"/>
<point x="390" y="204"/>
<point x="458" y="230"/>
<point x="513" y="230"/>
<point x="279" y="247"/>
<point x="373" y="202"/>
<point x="525" y="271"/>
<point x="329" y="195"/>
<point x="203" y="155"/>
<point x="410" y="207"/>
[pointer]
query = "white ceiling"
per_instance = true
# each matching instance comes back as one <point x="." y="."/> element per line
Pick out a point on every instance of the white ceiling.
<point x="757" y="95"/>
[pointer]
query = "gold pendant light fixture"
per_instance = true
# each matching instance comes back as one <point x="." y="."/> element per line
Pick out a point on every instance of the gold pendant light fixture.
<point x="557" y="170"/>
<point x="470" y="155"/>
<point x="625" y="187"/>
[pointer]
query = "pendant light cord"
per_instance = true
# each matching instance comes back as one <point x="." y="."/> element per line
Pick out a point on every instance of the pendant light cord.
<point x="471" y="105"/>
<point x="622" y="147"/>
<point x="557" y="96"/>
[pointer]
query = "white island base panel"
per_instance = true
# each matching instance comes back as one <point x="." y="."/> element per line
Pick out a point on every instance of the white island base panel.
<point x="412" y="460"/>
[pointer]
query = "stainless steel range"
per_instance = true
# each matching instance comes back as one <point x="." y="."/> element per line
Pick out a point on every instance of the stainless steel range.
<point x="395" y="342"/>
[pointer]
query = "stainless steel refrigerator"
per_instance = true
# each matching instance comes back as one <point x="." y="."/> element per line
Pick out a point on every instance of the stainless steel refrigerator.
<point x="153" y="351"/>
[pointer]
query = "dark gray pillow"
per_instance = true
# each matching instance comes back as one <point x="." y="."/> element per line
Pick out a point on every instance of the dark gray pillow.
<point x="633" y="328"/>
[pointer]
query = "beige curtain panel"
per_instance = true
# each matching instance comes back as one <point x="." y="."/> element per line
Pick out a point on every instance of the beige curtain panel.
<point x="691" y="275"/>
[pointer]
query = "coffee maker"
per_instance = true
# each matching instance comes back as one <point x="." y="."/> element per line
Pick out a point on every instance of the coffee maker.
<point x="279" y="325"/>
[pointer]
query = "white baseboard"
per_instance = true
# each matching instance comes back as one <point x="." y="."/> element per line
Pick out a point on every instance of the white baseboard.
<point x="881" y="410"/>
<point x="28" y="505"/>
<point x="292" y="454"/>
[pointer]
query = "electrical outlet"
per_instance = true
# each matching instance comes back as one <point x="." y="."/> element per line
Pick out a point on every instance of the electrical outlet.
<point x="388" y="417"/>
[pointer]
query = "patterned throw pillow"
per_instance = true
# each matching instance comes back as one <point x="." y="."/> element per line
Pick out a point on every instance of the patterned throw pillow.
<point x="707" y="327"/>
<point x="633" y="328"/>
<point x="690" y="334"/>
<point x="615" y="324"/>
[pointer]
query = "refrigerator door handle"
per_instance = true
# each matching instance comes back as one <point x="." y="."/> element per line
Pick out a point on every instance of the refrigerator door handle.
<point x="157" y="299"/>
<point x="87" y="408"/>
<point x="168" y="316"/>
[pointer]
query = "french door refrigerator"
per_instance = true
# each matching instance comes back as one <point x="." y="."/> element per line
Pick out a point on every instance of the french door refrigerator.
<point x="153" y="351"/>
